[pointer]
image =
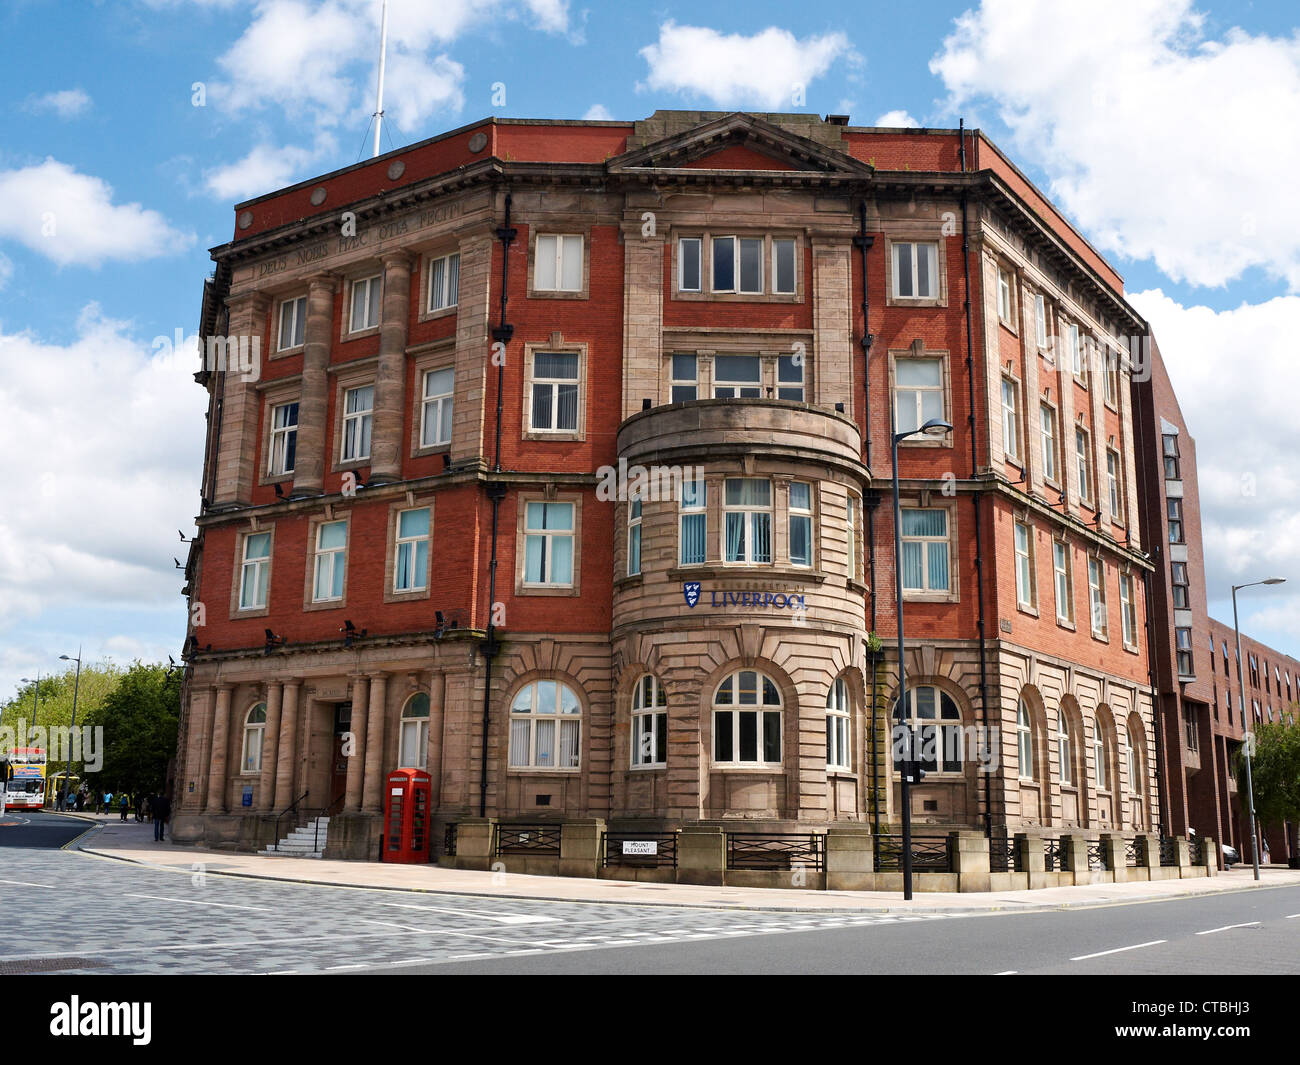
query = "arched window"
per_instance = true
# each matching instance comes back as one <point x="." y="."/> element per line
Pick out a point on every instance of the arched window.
<point x="747" y="720"/>
<point x="538" y="712"/>
<point x="415" y="732"/>
<point x="936" y="745"/>
<point x="649" y="722"/>
<point x="1064" y="748"/>
<point x="838" y="753"/>
<point x="1024" y="741"/>
<point x="254" y="734"/>
<point x="1131" y="764"/>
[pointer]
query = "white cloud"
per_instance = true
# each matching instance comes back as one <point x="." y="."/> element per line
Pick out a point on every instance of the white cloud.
<point x="598" y="113"/>
<point x="897" y="118"/>
<point x="66" y="103"/>
<point x="1236" y="377"/>
<point x="70" y="217"/>
<point x="1164" y="144"/>
<point x="264" y="169"/>
<point x="99" y="430"/>
<point x="768" y="69"/>
<point x="318" y="59"/>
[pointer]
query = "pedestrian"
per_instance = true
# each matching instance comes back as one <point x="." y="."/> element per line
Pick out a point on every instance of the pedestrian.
<point x="161" y="807"/>
<point x="125" y="804"/>
<point x="108" y="802"/>
<point x="139" y="808"/>
<point x="81" y="801"/>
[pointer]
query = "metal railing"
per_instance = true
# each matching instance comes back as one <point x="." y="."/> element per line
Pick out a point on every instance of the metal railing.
<point x="1197" y="849"/>
<point x="1135" y="853"/>
<point x="1004" y="857"/>
<point x="755" y="850"/>
<point x="662" y="853"/>
<point x="1055" y="855"/>
<point x="1168" y="851"/>
<point x="449" y="840"/>
<point x="1097" y="856"/>
<point x="526" y="839"/>
<point x="285" y="813"/>
<point x="930" y="854"/>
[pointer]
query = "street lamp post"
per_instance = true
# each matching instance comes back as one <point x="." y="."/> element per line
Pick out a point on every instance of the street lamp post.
<point x="934" y="427"/>
<point x="76" y="687"/>
<point x="1249" y="718"/>
<point x="36" y="695"/>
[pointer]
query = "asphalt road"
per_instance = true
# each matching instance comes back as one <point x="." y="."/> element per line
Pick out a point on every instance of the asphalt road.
<point x="68" y="912"/>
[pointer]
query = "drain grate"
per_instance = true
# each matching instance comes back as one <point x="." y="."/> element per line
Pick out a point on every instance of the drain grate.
<point x="22" y="966"/>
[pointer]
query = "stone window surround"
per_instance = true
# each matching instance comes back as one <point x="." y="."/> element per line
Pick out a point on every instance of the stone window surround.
<point x="411" y="501"/>
<point x="583" y="716"/>
<point x="918" y="351"/>
<point x="965" y="714"/>
<point x="275" y="394"/>
<point x="252" y="774"/>
<point x="1071" y="624"/>
<point x="359" y="271"/>
<point x="573" y="226"/>
<point x="1125" y="570"/>
<point x="254" y="527"/>
<point x="347" y="376"/>
<point x="1021" y="517"/>
<point x="1058" y="446"/>
<point x="629" y="700"/>
<point x="1102" y="636"/>
<point x="1010" y="323"/>
<point x="542" y="496"/>
<point x="709" y="692"/>
<point x="441" y="356"/>
<point x="1021" y="460"/>
<point x="910" y="498"/>
<point x="919" y="232"/>
<point x="705" y="376"/>
<point x="1121" y="481"/>
<point x="425" y="278"/>
<point x="313" y="523"/>
<point x="706" y="293"/>
<point x="556" y="343"/>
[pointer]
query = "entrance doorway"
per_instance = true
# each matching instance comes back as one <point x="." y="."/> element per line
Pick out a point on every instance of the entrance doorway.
<point x="339" y="760"/>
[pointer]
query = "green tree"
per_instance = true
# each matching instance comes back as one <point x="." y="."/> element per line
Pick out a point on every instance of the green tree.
<point x="1275" y="776"/>
<point x="139" y="718"/>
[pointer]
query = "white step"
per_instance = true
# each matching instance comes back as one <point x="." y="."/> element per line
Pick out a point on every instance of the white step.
<point x="302" y="842"/>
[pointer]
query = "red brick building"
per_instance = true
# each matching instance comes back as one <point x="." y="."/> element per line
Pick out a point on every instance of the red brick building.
<point x="410" y="554"/>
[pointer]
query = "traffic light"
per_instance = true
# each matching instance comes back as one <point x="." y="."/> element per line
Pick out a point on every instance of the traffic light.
<point x="914" y="771"/>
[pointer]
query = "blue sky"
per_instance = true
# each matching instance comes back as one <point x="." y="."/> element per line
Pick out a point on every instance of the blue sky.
<point x="1166" y="130"/>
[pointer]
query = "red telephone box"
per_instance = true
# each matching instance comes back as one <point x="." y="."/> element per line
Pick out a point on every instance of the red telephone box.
<point x="406" y="816"/>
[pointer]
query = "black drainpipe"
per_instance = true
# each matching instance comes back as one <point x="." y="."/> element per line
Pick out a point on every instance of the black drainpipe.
<point x="496" y="492"/>
<point x="975" y="496"/>
<point x="863" y="242"/>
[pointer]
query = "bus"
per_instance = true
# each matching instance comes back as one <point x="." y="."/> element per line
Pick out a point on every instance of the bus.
<point x="26" y="787"/>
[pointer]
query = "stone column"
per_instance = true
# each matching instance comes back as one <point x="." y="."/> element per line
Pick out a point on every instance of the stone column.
<point x="643" y="283"/>
<point x="372" y="790"/>
<point x="580" y="842"/>
<point x="390" y="376"/>
<point x="472" y="338"/>
<point x="217" y="760"/>
<point x="198" y="730"/>
<point x="237" y="370"/>
<point x="1115" y="850"/>
<point x="970" y="860"/>
<point x="433" y="756"/>
<point x="832" y="363"/>
<point x="313" y="402"/>
<point x="475" y="839"/>
<point x="357" y="759"/>
<point x="701" y="855"/>
<point x="284" y="754"/>
<point x="850" y="863"/>
<point x="270" y="762"/>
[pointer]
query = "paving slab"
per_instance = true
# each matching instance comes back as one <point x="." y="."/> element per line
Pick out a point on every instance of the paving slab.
<point x="131" y="842"/>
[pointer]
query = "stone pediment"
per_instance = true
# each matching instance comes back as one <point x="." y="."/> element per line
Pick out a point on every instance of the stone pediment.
<point x="738" y="142"/>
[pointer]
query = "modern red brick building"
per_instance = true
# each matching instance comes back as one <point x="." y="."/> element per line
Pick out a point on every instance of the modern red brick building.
<point x="426" y="540"/>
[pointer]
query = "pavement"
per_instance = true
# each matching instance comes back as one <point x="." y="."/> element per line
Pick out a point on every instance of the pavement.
<point x="108" y="837"/>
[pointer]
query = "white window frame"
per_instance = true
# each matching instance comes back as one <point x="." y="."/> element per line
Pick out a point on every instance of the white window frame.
<point x="851" y="523"/>
<point x="412" y="721"/>
<point x="749" y="514"/>
<point x="373" y="303"/>
<point x="785" y="388"/>
<point x="358" y="426"/>
<point x="260" y="566"/>
<point x="410" y="546"/>
<point x="297" y="307"/>
<point x="928" y="544"/>
<point x="794" y="266"/>
<point x="277" y="462"/>
<point x="553" y="385"/>
<point x="1062" y="581"/>
<point x="675" y="383"/>
<point x="1100" y="757"/>
<point x="1114" y="486"/>
<point x="1075" y="348"/>
<point x="1024" y="741"/>
<point x="1024" y="557"/>
<point x="736" y="241"/>
<point x="1128" y="610"/>
<point x="728" y="714"/>
<point x="1064" y="749"/>
<point x="682" y="261"/>
<point x="443" y="402"/>
<point x="534" y="716"/>
<point x="736" y="387"/>
<point x="947" y="731"/>
<point x="254" y="740"/>
<point x="1083" y="462"/>
<point x="1005" y="310"/>
<point x="649" y="724"/>
<point x="1011" y="418"/>
<point x="448" y="294"/>
<point x="634" y="510"/>
<point x="693" y="503"/>
<point x="917" y="393"/>
<point x="1040" y="320"/>
<point x="839" y="727"/>
<point x="895" y="249"/>
<point x="558" y="254"/>
<point x="549" y="536"/>
<point x="1098" y="608"/>
<point x="1047" y="434"/>
<point x="803" y="515"/>
<point x="330" y="558"/>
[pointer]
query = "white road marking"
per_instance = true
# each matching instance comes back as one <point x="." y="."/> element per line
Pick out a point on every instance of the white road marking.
<point x="283" y="972"/>
<point x="340" y="968"/>
<point x="196" y="902"/>
<point x="501" y="918"/>
<point x="1119" y="950"/>
<point x="1211" y="931"/>
<point x="26" y="883"/>
<point x="1291" y="916"/>
<point x="433" y="931"/>
<point x="1008" y="972"/>
<point x="462" y="957"/>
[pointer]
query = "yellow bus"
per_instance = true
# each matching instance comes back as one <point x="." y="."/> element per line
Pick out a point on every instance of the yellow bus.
<point x="26" y="787"/>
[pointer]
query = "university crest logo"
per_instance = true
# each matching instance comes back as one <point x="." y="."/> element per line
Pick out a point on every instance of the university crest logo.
<point x="691" y="592"/>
